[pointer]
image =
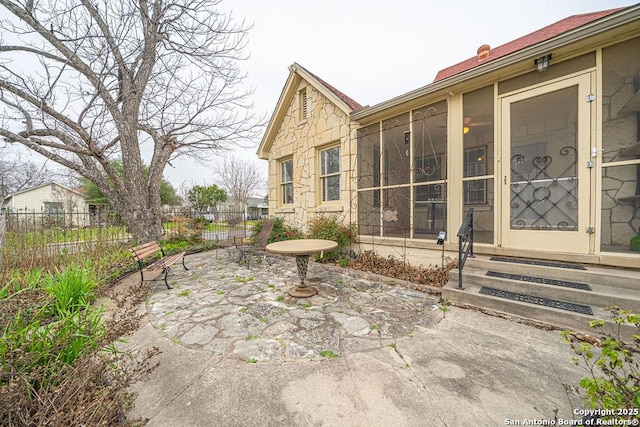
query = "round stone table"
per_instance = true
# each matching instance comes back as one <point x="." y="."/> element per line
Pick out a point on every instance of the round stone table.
<point x="302" y="249"/>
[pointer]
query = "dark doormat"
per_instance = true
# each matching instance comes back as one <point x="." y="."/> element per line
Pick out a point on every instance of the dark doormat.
<point x="541" y="280"/>
<point x="537" y="262"/>
<point x="547" y="302"/>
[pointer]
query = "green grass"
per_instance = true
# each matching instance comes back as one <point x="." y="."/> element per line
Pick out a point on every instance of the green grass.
<point x="329" y="354"/>
<point x="214" y="226"/>
<point x="75" y="234"/>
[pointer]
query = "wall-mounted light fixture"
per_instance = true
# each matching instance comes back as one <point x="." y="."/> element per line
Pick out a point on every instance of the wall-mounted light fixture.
<point x="542" y="63"/>
<point x="465" y="130"/>
<point x="440" y="241"/>
<point x="407" y="137"/>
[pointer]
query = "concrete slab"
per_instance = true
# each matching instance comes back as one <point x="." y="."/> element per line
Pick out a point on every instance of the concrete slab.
<point x="466" y="369"/>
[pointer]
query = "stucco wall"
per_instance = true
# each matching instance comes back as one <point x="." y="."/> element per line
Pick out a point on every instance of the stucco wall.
<point x="302" y="141"/>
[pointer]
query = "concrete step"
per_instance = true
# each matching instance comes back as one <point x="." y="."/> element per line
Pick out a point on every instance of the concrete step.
<point x="608" y="287"/>
<point x="599" y="295"/>
<point x="554" y="318"/>
<point x="620" y="278"/>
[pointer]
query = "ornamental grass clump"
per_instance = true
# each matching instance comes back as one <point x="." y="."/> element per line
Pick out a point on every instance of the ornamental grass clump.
<point x="71" y="288"/>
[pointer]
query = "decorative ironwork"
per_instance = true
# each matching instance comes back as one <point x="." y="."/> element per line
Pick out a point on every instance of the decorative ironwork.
<point x="542" y="199"/>
<point x="401" y="169"/>
<point x="465" y="243"/>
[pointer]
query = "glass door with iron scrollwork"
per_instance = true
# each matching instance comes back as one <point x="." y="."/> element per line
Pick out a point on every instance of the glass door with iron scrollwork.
<point x="545" y="149"/>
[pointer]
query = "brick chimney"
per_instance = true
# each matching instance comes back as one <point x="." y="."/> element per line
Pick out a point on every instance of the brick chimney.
<point x="483" y="52"/>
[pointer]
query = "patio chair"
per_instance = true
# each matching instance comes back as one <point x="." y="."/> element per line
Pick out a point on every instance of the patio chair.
<point x="229" y="241"/>
<point x="245" y="252"/>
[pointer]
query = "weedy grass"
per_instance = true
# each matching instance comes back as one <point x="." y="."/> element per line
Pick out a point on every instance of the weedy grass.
<point x="329" y="354"/>
<point x="64" y="327"/>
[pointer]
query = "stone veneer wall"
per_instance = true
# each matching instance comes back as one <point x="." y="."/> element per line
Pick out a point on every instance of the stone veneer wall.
<point x="325" y="126"/>
<point x="621" y="81"/>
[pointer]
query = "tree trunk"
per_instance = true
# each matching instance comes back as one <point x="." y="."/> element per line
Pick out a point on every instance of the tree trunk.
<point x="144" y="225"/>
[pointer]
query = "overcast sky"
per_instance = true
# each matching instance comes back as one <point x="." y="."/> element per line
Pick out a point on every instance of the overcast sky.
<point x="374" y="50"/>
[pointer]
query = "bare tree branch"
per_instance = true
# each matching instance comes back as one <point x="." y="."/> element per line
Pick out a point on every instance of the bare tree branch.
<point x="17" y="173"/>
<point x="240" y="178"/>
<point x="85" y="81"/>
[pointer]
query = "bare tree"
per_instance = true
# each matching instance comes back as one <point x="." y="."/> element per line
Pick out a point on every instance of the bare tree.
<point x="241" y="179"/>
<point x="17" y="173"/>
<point x="85" y="81"/>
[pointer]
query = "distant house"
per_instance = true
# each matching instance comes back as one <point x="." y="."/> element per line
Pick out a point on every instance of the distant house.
<point x="257" y="208"/>
<point x="51" y="200"/>
<point x="539" y="136"/>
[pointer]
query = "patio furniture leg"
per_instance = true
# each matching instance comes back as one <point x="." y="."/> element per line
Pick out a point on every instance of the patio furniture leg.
<point x="166" y="273"/>
<point x="302" y="290"/>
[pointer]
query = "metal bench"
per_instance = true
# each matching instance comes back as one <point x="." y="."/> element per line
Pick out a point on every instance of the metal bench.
<point x="150" y="250"/>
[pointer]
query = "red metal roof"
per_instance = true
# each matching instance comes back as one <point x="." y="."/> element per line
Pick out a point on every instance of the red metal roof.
<point x="347" y="100"/>
<point x="546" y="33"/>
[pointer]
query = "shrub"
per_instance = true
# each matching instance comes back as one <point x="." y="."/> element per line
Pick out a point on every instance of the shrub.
<point x="613" y="365"/>
<point x="200" y="222"/>
<point x="330" y="228"/>
<point x="181" y="228"/>
<point x="280" y="231"/>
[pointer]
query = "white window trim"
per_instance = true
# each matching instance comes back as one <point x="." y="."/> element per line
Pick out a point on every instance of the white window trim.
<point x="321" y="177"/>
<point x="281" y="186"/>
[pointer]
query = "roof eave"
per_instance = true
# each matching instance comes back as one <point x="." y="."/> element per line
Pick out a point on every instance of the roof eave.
<point x="599" y="26"/>
<point x="321" y="88"/>
<point x="26" y="190"/>
<point x="301" y="72"/>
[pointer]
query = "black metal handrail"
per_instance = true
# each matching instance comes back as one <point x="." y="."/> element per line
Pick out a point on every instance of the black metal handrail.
<point x="465" y="243"/>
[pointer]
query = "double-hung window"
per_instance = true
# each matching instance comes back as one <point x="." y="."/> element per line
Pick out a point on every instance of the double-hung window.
<point x="286" y="181"/>
<point x="330" y="174"/>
